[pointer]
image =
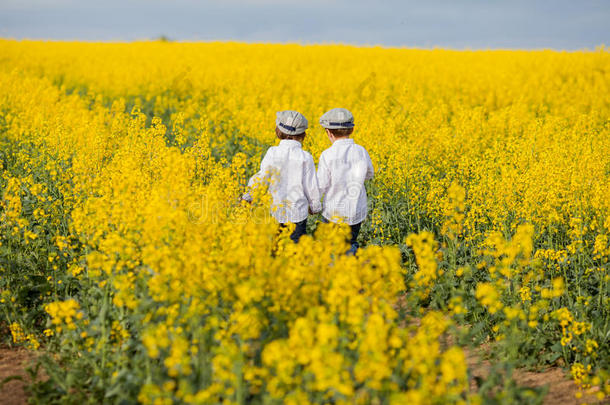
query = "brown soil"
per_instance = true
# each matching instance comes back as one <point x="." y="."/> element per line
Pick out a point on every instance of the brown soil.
<point x="562" y="389"/>
<point x="13" y="362"/>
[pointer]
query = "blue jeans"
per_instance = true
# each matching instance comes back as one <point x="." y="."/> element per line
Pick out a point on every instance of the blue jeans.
<point x="300" y="229"/>
<point x="354" y="239"/>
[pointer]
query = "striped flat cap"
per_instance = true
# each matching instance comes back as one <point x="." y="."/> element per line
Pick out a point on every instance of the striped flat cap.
<point x="337" y="118"/>
<point x="291" y="122"/>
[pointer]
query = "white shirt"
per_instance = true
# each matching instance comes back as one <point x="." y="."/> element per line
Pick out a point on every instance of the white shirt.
<point x="291" y="175"/>
<point x="342" y="170"/>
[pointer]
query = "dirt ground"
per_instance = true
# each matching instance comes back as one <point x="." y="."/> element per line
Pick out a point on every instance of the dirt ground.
<point x="562" y="389"/>
<point x="13" y="362"/>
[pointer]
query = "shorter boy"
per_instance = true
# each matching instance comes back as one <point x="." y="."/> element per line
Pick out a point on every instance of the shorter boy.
<point x="291" y="174"/>
<point x="342" y="170"/>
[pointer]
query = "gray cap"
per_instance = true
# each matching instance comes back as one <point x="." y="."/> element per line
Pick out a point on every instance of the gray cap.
<point x="337" y="118"/>
<point x="291" y="122"/>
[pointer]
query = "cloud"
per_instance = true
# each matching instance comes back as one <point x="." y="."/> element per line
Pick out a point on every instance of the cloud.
<point x="277" y="2"/>
<point x="435" y="23"/>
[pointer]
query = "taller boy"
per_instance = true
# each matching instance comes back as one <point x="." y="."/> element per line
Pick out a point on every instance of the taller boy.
<point x="290" y="173"/>
<point x="342" y="170"/>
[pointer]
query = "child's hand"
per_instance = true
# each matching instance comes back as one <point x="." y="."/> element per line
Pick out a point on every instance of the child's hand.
<point x="311" y="212"/>
<point x="246" y="197"/>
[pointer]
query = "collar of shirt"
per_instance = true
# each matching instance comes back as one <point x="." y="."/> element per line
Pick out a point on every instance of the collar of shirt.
<point x="289" y="143"/>
<point x="343" y="141"/>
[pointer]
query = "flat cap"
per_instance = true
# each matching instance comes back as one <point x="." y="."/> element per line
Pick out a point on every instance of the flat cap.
<point x="291" y="122"/>
<point x="337" y="118"/>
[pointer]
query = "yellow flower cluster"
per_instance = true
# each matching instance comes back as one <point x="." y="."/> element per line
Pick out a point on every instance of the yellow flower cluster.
<point x="19" y="336"/>
<point x="489" y="297"/>
<point x="455" y="205"/>
<point x="17" y="333"/>
<point x="426" y="251"/>
<point x="64" y="314"/>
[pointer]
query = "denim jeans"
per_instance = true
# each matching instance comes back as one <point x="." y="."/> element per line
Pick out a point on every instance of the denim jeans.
<point x="300" y="229"/>
<point x="354" y="239"/>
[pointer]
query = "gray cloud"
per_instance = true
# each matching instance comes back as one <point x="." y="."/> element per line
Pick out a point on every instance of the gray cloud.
<point x="559" y="24"/>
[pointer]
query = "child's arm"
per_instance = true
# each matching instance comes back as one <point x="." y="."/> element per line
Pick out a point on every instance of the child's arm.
<point x="310" y="187"/>
<point x="370" y="171"/>
<point x="257" y="177"/>
<point x="323" y="175"/>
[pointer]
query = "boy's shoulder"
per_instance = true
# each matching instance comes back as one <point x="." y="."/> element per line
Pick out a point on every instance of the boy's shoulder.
<point x="360" y="148"/>
<point x="358" y="145"/>
<point x="326" y="151"/>
<point x="307" y="154"/>
<point x="271" y="151"/>
<point x="275" y="150"/>
<point x="353" y="146"/>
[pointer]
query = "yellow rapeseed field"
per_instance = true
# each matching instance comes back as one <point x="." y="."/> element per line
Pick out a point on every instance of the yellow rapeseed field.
<point x="127" y="255"/>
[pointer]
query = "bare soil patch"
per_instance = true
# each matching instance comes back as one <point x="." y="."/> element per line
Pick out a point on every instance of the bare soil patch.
<point x="13" y="362"/>
<point x="562" y="389"/>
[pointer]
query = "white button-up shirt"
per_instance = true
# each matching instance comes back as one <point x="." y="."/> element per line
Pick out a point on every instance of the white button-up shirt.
<point x="342" y="170"/>
<point x="291" y="175"/>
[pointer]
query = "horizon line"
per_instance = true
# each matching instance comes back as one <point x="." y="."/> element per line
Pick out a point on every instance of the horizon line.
<point x="164" y="39"/>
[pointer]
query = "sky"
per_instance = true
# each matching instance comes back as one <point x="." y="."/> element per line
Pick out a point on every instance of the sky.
<point x="456" y="24"/>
